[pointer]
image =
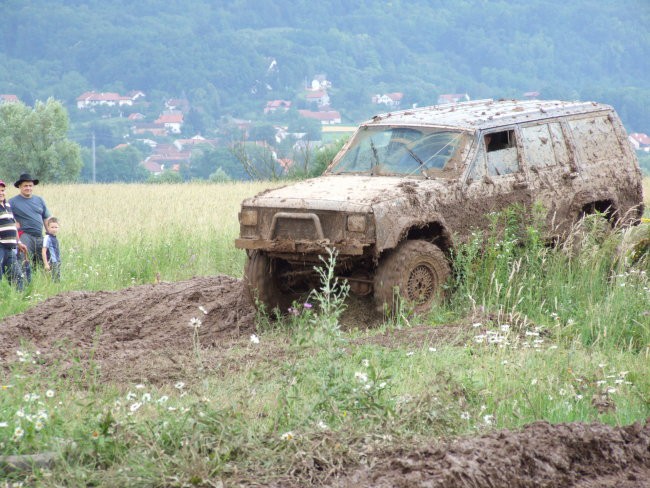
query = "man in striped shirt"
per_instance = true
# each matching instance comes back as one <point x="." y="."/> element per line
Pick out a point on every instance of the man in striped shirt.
<point x="9" y="243"/>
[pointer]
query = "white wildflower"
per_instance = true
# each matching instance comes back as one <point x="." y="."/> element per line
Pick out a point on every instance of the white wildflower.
<point x="195" y="323"/>
<point x="365" y="363"/>
<point x="361" y="377"/>
<point x="255" y="339"/>
<point x="135" y="406"/>
<point x="49" y="393"/>
<point x="287" y="436"/>
<point x="180" y="385"/>
<point x="202" y="309"/>
<point x="488" y="419"/>
<point x="432" y="349"/>
<point x="465" y="416"/>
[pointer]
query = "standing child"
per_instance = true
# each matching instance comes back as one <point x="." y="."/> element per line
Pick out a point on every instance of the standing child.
<point x="51" y="251"/>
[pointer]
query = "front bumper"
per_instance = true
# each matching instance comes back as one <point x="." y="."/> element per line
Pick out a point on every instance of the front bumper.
<point x="351" y="248"/>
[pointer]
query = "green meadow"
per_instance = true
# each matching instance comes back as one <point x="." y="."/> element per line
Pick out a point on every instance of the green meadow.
<point x="559" y="334"/>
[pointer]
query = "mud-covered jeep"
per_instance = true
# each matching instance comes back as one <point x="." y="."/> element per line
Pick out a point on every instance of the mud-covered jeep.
<point x="409" y="185"/>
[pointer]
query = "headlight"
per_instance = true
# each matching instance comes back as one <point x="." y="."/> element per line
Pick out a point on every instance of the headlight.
<point x="357" y="223"/>
<point x="248" y="217"/>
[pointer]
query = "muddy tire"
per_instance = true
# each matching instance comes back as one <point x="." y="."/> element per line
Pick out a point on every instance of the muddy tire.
<point x="417" y="269"/>
<point x="263" y="279"/>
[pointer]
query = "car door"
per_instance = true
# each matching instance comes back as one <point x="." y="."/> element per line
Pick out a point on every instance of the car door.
<point x="496" y="178"/>
<point x="552" y="170"/>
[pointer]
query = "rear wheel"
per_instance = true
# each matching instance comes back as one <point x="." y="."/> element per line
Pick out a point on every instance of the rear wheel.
<point x="416" y="271"/>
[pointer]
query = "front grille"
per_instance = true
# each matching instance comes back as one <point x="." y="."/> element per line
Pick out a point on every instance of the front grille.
<point x="332" y="224"/>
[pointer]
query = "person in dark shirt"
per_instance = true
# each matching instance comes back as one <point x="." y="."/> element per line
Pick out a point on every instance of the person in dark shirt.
<point x="9" y="243"/>
<point x="51" y="252"/>
<point x="30" y="211"/>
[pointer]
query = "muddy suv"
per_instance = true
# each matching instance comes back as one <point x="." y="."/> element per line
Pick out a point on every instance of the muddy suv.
<point x="410" y="184"/>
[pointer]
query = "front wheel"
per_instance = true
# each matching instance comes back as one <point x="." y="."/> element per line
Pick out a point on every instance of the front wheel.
<point x="415" y="271"/>
<point x="263" y="277"/>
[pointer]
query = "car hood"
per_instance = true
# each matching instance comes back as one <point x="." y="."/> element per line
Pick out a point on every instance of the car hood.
<point x="346" y="193"/>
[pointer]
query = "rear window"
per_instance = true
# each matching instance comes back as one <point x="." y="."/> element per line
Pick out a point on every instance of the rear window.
<point x="595" y="138"/>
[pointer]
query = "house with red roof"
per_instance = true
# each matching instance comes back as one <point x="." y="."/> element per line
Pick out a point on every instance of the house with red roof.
<point x="197" y="140"/>
<point x="167" y="156"/>
<point x="171" y="121"/>
<point x="320" y="97"/>
<point x="389" y="99"/>
<point x="108" y="99"/>
<point x="640" y="141"/>
<point x="277" y="105"/>
<point x="327" y="117"/>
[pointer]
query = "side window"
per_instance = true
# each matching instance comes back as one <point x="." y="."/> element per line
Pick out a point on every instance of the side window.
<point x="544" y="145"/>
<point x="595" y="138"/>
<point x="501" y="152"/>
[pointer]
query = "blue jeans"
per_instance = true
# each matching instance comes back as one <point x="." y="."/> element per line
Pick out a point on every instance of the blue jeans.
<point x="9" y="265"/>
<point x="34" y="245"/>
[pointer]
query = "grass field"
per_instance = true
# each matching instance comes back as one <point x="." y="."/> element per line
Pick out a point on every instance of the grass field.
<point x="557" y="337"/>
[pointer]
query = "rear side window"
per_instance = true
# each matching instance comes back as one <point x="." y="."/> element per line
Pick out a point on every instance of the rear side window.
<point x="544" y="145"/>
<point x="501" y="152"/>
<point x="595" y="139"/>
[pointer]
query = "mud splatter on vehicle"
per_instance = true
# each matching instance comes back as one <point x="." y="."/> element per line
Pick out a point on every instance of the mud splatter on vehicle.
<point x="410" y="184"/>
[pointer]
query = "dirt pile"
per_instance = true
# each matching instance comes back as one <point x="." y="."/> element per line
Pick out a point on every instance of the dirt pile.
<point x="139" y="333"/>
<point x="539" y="456"/>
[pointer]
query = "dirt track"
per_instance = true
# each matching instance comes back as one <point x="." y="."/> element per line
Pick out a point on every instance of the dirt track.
<point x="142" y="334"/>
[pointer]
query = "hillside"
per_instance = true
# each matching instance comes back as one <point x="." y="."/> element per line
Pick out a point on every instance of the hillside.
<point x="230" y="57"/>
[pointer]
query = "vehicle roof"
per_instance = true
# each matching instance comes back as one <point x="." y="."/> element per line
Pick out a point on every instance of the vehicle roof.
<point x="484" y="114"/>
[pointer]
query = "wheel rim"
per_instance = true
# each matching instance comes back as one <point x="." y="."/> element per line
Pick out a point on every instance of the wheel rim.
<point x="421" y="284"/>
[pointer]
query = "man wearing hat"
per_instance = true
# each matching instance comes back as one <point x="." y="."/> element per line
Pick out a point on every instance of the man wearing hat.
<point x="31" y="213"/>
<point x="9" y="242"/>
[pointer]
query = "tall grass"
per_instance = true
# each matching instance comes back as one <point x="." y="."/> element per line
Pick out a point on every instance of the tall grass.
<point x="114" y="236"/>
<point x="585" y="288"/>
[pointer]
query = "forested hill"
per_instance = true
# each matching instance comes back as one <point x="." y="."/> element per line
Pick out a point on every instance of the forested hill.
<point x="219" y="53"/>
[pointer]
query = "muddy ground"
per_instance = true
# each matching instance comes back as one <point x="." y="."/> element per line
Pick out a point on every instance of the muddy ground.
<point x="142" y="334"/>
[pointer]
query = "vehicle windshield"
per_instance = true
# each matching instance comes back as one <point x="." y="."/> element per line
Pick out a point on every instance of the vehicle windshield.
<point x="404" y="151"/>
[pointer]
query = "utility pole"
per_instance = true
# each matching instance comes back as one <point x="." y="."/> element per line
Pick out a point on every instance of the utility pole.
<point x="94" y="161"/>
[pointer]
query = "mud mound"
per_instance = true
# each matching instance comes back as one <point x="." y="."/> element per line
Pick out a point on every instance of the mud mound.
<point x="139" y="333"/>
<point x="541" y="455"/>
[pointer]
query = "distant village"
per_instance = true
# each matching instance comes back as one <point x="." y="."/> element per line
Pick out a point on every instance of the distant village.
<point x="171" y="156"/>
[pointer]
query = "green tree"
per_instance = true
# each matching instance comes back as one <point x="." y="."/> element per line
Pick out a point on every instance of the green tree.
<point x="111" y="165"/>
<point x="35" y="141"/>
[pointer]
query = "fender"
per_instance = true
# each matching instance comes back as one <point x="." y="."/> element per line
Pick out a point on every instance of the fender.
<point x="398" y="219"/>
